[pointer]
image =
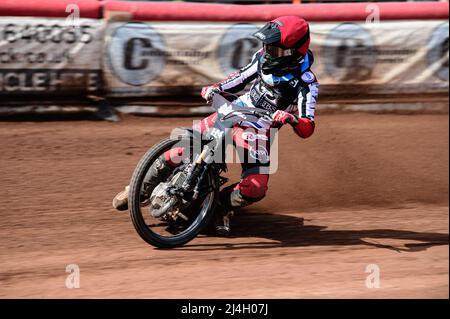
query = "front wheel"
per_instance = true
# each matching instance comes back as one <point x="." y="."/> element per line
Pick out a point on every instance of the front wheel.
<point x="165" y="232"/>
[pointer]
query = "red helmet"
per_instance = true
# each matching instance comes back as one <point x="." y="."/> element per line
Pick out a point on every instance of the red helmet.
<point x="286" y="40"/>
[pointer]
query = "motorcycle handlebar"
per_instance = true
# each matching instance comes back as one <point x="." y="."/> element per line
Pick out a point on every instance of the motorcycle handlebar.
<point x="252" y="111"/>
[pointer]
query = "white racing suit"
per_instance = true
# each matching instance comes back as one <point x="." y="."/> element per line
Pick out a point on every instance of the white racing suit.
<point x="295" y="93"/>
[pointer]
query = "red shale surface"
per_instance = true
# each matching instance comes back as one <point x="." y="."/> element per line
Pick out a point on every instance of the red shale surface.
<point x="371" y="189"/>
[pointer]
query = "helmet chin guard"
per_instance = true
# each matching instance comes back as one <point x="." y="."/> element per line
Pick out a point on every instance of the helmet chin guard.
<point x="273" y="80"/>
<point x="279" y="66"/>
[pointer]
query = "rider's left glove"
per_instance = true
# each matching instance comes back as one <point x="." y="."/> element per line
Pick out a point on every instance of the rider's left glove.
<point x="208" y="92"/>
<point x="283" y="117"/>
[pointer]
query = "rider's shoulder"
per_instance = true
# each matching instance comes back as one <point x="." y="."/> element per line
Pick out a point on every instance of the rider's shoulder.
<point x="258" y="54"/>
<point x="310" y="55"/>
<point x="304" y="71"/>
<point x="307" y="62"/>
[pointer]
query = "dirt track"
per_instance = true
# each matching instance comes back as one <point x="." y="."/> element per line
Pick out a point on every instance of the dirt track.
<point x="372" y="189"/>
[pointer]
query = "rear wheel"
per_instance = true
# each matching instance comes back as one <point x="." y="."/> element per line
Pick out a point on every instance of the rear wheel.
<point x="166" y="232"/>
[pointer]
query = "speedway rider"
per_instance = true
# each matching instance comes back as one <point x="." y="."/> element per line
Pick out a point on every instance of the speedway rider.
<point x="283" y="84"/>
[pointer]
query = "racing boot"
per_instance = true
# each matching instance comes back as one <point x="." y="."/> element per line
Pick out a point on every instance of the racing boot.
<point x="158" y="172"/>
<point x="220" y="224"/>
<point x="222" y="221"/>
<point x="120" y="202"/>
<point x="231" y="198"/>
<point x="224" y="210"/>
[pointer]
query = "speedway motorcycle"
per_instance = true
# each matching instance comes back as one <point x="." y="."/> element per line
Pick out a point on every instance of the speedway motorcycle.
<point x="176" y="210"/>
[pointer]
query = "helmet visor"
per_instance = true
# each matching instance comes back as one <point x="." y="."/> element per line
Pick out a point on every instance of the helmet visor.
<point x="276" y="52"/>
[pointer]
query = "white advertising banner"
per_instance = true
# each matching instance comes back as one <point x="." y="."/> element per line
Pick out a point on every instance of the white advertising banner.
<point x="55" y="56"/>
<point x="50" y="56"/>
<point x="386" y="57"/>
<point x="146" y="58"/>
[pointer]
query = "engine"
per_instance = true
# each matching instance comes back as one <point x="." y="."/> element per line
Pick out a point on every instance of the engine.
<point x="160" y="196"/>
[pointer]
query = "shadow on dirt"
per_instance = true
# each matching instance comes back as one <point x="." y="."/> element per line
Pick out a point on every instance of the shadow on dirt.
<point x="289" y="231"/>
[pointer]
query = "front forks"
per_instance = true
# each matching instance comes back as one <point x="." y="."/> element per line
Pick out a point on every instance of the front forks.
<point x="191" y="184"/>
<point x="195" y="170"/>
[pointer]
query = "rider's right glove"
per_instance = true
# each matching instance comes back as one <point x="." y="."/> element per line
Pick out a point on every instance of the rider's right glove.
<point x="283" y="117"/>
<point x="208" y="92"/>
